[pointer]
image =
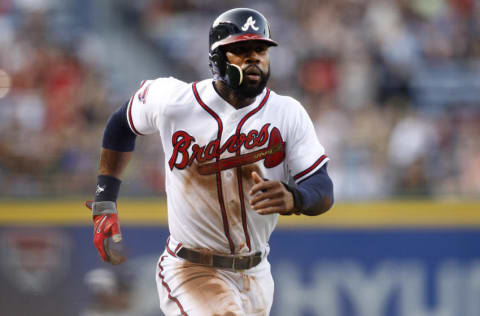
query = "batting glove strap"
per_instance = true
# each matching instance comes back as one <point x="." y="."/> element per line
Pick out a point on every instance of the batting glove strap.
<point x="104" y="207"/>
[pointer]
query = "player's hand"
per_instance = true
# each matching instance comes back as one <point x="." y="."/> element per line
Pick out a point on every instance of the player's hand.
<point x="107" y="236"/>
<point x="268" y="197"/>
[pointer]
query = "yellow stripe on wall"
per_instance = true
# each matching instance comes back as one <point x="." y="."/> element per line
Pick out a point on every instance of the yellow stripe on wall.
<point x="143" y="212"/>
<point x="382" y="214"/>
<point x="390" y="214"/>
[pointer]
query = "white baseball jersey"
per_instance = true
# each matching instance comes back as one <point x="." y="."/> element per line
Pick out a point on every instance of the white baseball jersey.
<point x="211" y="149"/>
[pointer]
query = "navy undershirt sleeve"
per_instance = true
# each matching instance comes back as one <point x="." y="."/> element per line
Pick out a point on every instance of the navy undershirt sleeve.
<point x="311" y="193"/>
<point x="117" y="135"/>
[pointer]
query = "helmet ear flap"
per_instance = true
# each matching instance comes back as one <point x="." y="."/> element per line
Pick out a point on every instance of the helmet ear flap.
<point x="234" y="75"/>
<point x="231" y="74"/>
<point x="218" y="62"/>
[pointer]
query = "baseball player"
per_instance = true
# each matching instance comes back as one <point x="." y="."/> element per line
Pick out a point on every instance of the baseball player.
<point x="231" y="145"/>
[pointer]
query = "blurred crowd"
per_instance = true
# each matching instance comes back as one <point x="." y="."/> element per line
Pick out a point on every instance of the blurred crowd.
<point x="392" y="86"/>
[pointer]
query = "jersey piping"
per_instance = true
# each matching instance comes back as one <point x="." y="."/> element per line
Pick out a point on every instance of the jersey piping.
<point x="219" y="175"/>
<point x="316" y="164"/>
<point x="129" y="112"/>
<point x="129" y="117"/>
<point x="239" y="169"/>
<point x="165" y="285"/>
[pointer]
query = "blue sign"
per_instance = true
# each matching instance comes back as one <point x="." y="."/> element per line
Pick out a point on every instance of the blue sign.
<point x="317" y="272"/>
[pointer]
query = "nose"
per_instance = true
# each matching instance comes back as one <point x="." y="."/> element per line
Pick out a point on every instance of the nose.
<point x="252" y="57"/>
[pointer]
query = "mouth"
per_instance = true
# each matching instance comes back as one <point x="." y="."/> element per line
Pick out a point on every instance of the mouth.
<point x="253" y="73"/>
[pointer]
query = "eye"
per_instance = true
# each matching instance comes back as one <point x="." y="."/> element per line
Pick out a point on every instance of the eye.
<point x="239" y="50"/>
<point x="261" y="49"/>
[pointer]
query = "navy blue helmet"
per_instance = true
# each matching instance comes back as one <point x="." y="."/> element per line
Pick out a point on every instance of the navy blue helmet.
<point x="232" y="26"/>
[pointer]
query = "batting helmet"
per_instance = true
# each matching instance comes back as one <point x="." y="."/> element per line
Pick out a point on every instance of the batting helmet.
<point x="232" y="26"/>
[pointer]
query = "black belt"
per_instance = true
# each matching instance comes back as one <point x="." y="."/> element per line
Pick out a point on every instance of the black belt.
<point x="219" y="261"/>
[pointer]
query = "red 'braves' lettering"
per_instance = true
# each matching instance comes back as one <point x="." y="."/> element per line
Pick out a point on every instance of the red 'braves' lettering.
<point x="182" y="142"/>
<point x="211" y="149"/>
<point x="251" y="137"/>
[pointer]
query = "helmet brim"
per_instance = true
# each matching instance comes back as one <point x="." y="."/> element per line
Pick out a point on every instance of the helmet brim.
<point x="243" y="38"/>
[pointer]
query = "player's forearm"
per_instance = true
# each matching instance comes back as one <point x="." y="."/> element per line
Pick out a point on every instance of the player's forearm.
<point x="118" y="144"/>
<point x="314" y="195"/>
<point x="111" y="166"/>
<point x="113" y="163"/>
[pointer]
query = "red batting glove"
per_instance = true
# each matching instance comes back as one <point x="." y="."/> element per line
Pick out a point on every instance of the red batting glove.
<point x="106" y="234"/>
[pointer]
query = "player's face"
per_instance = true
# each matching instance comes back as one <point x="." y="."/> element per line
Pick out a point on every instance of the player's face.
<point x="252" y="57"/>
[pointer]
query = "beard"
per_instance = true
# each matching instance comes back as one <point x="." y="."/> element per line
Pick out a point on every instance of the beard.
<point x="250" y="89"/>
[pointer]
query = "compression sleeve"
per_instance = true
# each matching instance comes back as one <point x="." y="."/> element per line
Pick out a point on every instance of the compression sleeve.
<point x="117" y="135"/>
<point x="311" y="193"/>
